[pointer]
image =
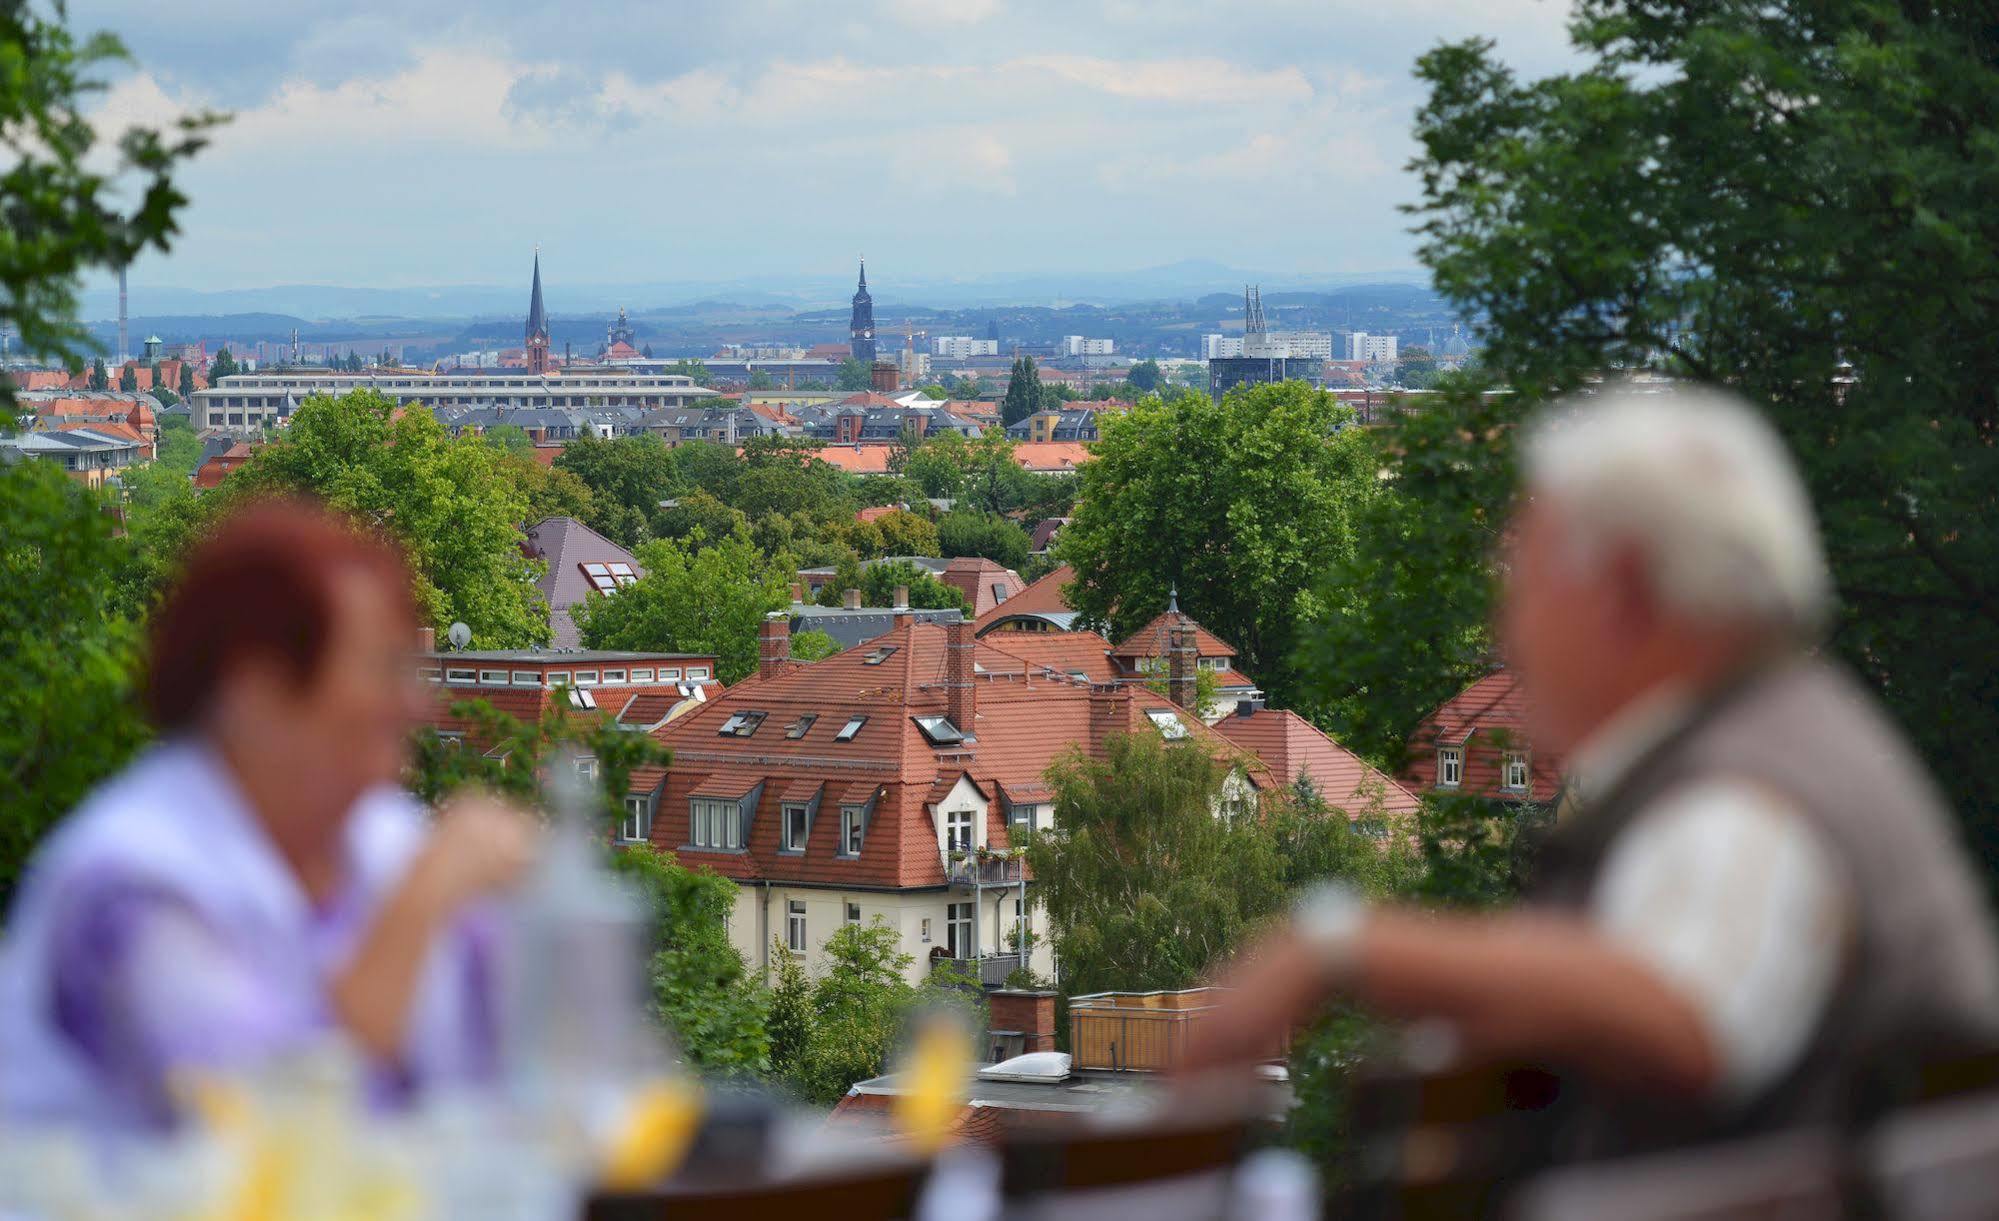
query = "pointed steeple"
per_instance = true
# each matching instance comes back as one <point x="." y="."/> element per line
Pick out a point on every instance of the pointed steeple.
<point x="864" y="274"/>
<point x="537" y="317"/>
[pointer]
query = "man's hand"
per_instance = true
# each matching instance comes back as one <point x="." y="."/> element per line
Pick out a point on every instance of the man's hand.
<point x="1276" y="986"/>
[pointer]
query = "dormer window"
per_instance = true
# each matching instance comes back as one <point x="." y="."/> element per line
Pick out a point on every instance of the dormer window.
<point x="1450" y="767"/>
<point x="939" y="731"/>
<point x="852" y="727"/>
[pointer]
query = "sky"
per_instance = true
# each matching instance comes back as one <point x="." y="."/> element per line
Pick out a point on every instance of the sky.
<point x="421" y="142"/>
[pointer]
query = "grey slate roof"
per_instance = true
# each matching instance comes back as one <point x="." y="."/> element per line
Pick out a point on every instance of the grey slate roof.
<point x="850" y="627"/>
<point x="567" y="544"/>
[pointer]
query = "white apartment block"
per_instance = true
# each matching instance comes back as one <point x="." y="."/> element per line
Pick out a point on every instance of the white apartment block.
<point x="1078" y="345"/>
<point x="1371" y="348"/>
<point x="1295" y="345"/>
<point x="1220" y="347"/>
<point x="958" y="347"/>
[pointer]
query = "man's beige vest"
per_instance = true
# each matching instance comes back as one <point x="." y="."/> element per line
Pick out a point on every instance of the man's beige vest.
<point x="1920" y="978"/>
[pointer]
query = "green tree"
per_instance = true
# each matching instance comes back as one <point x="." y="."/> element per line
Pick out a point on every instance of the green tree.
<point x="1145" y="885"/>
<point x="1023" y="392"/>
<point x="506" y="754"/>
<point x="762" y="380"/>
<point x="994" y="482"/>
<point x="938" y="393"/>
<point x="1416" y="369"/>
<point x="789" y="1021"/>
<point x="853" y="375"/>
<point x="696" y="518"/>
<point x="709" y="599"/>
<point x="68" y="716"/>
<point x="75" y="201"/>
<point x="857" y="1010"/>
<point x="444" y="499"/>
<point x="179" y="447"/>
<point x="785" y="475"/>
<point x="1145" y="376"/>
<point x="100" y="379"/>
<point x="906" y="533"/>
<point x="702" y="990"/>
<point x="710" y="466"/>
<point x="938" y="464"/>
<point x="187" y="379"/>
<point x="151" y="484"/>
<point x="961" y="532"/>
<point x="162" y="395"/>
<point x="926" y="592"/>
<point x="1239" y="505"/>
<point x="812" y="645"/>
<point x="627" y="478"/>
<point x="128" y="379"/>
<point x="694" y="369"/>
<point x="510" y="439"/>
<point x="222" y="366"/>
<point x="1763" y="194"/>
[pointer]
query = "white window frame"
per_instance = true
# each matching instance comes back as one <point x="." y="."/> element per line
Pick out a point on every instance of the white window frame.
<point x="958" y="931"/>
<point x="923" y="933"/>
<point x="1511" y="760"/>
<point x="492" y="678"/>
<point x="795" y="931"/>
<point x="714" y="824"/>
<point x="804" y="827"/>
<point x="641" y="675"/>
<point x="559" y="678"/>
<point x="960" y="821"/>
<point x="586" y="678"/>
<point x="1450" y="767"/>
<point x="636" y="826"/>
<point x="614" y="676"/>
<point x="696" y="672"/>
<point x="669" y="674"/>
<point x="853" y="912"/>
<point x="527" y="678"/>
<point x="461" y="676"/>
<point x="853" y="830"/>
<point x="586" y="767"/>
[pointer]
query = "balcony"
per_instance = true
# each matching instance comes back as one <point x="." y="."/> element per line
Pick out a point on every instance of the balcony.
<point x="989" y="871"/>
<point x="1140" y="1031"/>
<point x="991" y="970"/>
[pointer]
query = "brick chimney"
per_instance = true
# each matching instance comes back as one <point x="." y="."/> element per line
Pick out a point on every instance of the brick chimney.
<point x="1182" y="662"/>
<point x="851" y="599"/>
<point x="1105" y="718"/>
<point x="773" y="643"/>
<point x="960" y="693"/>
<point x="1031" y="1015"/>
<point x="885" y="377"/>
<point x="426" y="640"/>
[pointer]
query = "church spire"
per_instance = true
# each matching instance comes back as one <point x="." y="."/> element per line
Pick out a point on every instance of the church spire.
<point x="864" y="273"/>
<point x="861" y="326"/>
<point x="537" y="327"/>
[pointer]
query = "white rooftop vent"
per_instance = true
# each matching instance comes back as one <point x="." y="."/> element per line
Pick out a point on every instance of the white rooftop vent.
<point x="1047" y="1066"/>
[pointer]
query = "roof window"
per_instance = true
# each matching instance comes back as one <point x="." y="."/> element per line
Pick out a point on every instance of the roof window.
<point x="939" y="730"/>
<point x="580" y="698"/>
<point x="741" y="725"/>
<point x="798" y="727"/>
<point x="852" y="727"/>
<point x="879" y="655"/>
<point x="1171" y="727"/>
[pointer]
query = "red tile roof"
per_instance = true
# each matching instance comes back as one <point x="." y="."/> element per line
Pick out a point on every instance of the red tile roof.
<point x="1051" y="456"/>
<point x="1487" y="720"/>
<point x="1152" y="639"/>
<point x="856" y="459"/>
<point x="1042" y="597"/>
<point x="1064" y="652"/>
<point x="1025" y="719"/>
<point x="975" y="577"/>
<point x="1294" y="748"/>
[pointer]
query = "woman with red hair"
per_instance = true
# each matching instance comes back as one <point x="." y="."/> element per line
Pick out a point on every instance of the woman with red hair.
<point x="257" y="881"/>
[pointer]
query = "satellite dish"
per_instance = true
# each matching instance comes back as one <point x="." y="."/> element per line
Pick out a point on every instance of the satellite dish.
<point x="459" y="635"/>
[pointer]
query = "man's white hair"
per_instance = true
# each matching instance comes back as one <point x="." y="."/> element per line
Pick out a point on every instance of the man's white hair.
<point x="1701" y="485"/>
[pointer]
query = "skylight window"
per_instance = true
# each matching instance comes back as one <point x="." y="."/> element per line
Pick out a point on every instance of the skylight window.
<point x="939" y="730"/>
<point x="741" y="724"/>
<point x="798" y="728"/>
<point x="879" y="655"/>
<point x="622" y="573"/>
<point x="579" y="698"/>
<point x="851" y="728"/>
<point x="1171" y="727"/>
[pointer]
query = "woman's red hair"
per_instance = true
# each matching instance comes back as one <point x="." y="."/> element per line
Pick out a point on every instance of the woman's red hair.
<point x="261" y="586"/>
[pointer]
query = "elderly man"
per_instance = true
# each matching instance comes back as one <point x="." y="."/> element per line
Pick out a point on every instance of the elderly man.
<point x="1753" y="898"/>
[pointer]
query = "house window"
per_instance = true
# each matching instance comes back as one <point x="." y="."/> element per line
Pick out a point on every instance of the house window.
<point x="1450" y="767"/>
<point x="451" y="739"/>
<point x="430" y="674"/>
<point x="637" y="825"/>
<point x="1171" y="727"/>
<point x="923" y="934"/>
<point x="671" y="675"/>
<point x="559" y="678"/>
<point x="1516" y="771"/>
<point x="586" y="767"/>
<point x="614" y="676"/>
<point x="715" y="824"/>
<point x="958" y="930"/>
<point x="527" y="678"/>
<point x="999" y="591"/>
<point x="798" y="728"/>
<point x="794" y="926"/>
<point x="850" y="830"/>
<point x="493" y="678"/>
<point x="582" y="699"/>
<point x="641" y="676"/>
<point x="586" y="678"/>
<point x="958" y="831"/>
<point x="1020" y="817"/>
<point x="852" y="727"/>
<point x="741" y="725"/>
<point x="460" y="676"/>
<point x="853" y="913"/>
<point x="794" y="828"/>
<point x="695" y="673"/>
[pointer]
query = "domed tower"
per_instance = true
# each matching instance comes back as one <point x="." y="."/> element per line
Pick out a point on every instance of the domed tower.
<point x="537" y="329"/>
<point x="862" y="324"/>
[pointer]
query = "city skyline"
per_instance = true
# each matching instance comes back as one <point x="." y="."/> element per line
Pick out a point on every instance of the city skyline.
<point x="972" y="139"/>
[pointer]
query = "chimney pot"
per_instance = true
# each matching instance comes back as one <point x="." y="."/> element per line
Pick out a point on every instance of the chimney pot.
<point x="902" y="597"/>
<point x="426" y="639"/>
<point x="851" y="599"/>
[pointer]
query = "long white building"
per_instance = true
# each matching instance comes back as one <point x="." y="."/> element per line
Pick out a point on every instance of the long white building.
<point x="958" y="347"/>
<point x="1372" y="348"/>
<point x="249" y="401"/>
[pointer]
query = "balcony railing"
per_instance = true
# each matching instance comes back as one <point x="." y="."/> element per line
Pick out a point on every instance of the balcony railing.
<point x="991" y="970"/>
<point x="992" y="871"/>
